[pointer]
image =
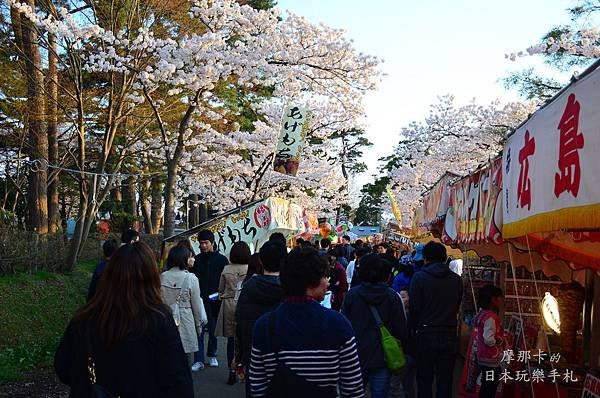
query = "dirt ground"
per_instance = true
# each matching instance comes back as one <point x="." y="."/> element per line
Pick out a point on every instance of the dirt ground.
<point x="41" y="383"/>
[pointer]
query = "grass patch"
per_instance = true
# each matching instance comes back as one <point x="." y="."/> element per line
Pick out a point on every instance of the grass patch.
<point x="35" y="311"/>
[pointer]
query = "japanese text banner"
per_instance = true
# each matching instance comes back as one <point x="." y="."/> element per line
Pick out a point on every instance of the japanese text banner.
<point x="291" y="140"/>
<point x="551" y="168"/>
<point x="255" y="224"/>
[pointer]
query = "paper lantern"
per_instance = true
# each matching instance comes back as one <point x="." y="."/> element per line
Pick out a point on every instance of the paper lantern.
<point x="551" y="313"/>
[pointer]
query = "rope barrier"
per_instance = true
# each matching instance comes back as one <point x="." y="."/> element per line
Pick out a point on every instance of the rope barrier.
<point x="38" y="165"/>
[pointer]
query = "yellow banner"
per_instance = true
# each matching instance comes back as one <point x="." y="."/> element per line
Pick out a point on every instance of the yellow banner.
<point x="395" y="208"/>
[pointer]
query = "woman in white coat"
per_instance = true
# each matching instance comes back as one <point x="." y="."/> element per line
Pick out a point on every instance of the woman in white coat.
<point x="181" y="291"/>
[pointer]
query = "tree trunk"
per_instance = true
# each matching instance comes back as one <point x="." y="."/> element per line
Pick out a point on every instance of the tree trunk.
<point x="145" y="207"/>
<point x="156" y="213"/>
<point x="172" y="171"/>
<point x="203" y="210"/>
<point x="37" y="136"/>
<point x="53" y="199"/>
<point x="117" y="197"/>
<point x="63" y="207"/>
<point x="129" y="202"/>
<point x="77" y="239"/>
<point x="193" y="212"/>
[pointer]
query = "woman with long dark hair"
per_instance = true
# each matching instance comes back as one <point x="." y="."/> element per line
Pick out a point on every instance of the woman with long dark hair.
<point x="125" y="342"/>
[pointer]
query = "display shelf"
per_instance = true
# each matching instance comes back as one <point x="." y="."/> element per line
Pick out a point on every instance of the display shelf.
<point x="540" y="282"/>
<point x="523" y="314"/>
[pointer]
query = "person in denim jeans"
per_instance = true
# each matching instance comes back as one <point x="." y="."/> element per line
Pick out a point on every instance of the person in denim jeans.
<point x="435" y="297"/>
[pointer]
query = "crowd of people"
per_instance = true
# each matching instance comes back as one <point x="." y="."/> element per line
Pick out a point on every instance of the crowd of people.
<point x="298" y="323"/>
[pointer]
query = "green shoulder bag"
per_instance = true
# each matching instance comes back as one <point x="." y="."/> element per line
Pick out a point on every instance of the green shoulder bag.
<point x="392" y="348"/>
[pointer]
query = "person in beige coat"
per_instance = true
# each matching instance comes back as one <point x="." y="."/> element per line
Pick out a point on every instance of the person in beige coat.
<point x="182" y="287"/>
<point x="230" y="287"/>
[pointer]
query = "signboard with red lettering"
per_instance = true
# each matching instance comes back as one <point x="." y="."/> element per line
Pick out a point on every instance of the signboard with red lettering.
<point x="591" y="387"/>
<point x="551" y="169"/>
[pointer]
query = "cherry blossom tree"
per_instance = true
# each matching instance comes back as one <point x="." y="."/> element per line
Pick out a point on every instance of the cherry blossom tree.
<point x="455" y="138"/>
<point x="320" y="183"/>
<point x="566" y="48"/>
<point x="173" y="74"/>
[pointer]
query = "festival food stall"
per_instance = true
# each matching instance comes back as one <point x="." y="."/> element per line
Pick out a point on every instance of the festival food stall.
<point x="252" y="223"/>
<point x="532" y="216"/>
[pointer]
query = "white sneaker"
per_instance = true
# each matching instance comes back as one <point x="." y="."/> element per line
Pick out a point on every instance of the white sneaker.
<point x="198" y="366"/>
<point x="212" y="362"/>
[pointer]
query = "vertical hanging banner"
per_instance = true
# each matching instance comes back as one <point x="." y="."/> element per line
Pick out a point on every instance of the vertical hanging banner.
<point x="551" y="168"/>
<point x="395" y="208"/>
<point x="291" y="140"/>
<point x="475" y="207"/>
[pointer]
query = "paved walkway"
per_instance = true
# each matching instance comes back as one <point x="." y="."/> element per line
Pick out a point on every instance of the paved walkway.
<point x="212" y="382"/>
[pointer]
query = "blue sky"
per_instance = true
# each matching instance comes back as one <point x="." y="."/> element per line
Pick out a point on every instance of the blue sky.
<point x="433" y="48"/>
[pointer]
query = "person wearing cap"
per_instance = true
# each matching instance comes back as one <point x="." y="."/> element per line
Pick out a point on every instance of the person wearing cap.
<point x="417" y="259"/>
<point x="208" y="267"/>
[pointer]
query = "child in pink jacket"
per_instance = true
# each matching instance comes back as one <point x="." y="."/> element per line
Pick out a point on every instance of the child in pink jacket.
<point x="490" y="339"/>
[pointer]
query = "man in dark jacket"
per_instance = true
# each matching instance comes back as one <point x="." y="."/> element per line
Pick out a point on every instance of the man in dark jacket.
<point x="259" y="295"/>
<point x="208" y="268"/>
<point x="435" y="296"/>
<point x="374" y="292"/>
<point x="348" y="249"/>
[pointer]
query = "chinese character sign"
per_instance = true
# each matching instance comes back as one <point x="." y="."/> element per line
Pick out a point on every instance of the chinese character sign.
<point x="591" y="387"/>
<point x="291" y="140"/>
<point x="551" y="175"/>
<point x="254" y="224"/>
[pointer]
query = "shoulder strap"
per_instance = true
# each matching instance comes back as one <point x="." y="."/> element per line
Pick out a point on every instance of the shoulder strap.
<point x="376" y="316"/>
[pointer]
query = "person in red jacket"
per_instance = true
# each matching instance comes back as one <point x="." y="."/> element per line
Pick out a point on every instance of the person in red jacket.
<point x="490" y="339"/>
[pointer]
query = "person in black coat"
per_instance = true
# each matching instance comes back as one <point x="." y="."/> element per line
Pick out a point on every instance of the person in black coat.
<point x="435" y="296"/>
<point x="374" y="292"/>
<point x="259" y="295"/>
<point x="126" y="334"/>
<point x="208" y="267"/>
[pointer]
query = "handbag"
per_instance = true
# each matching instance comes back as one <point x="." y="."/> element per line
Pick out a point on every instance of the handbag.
<point x="97" y="390"/>
<point x="392" y="348"/>
<point x="175" y="306"/>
